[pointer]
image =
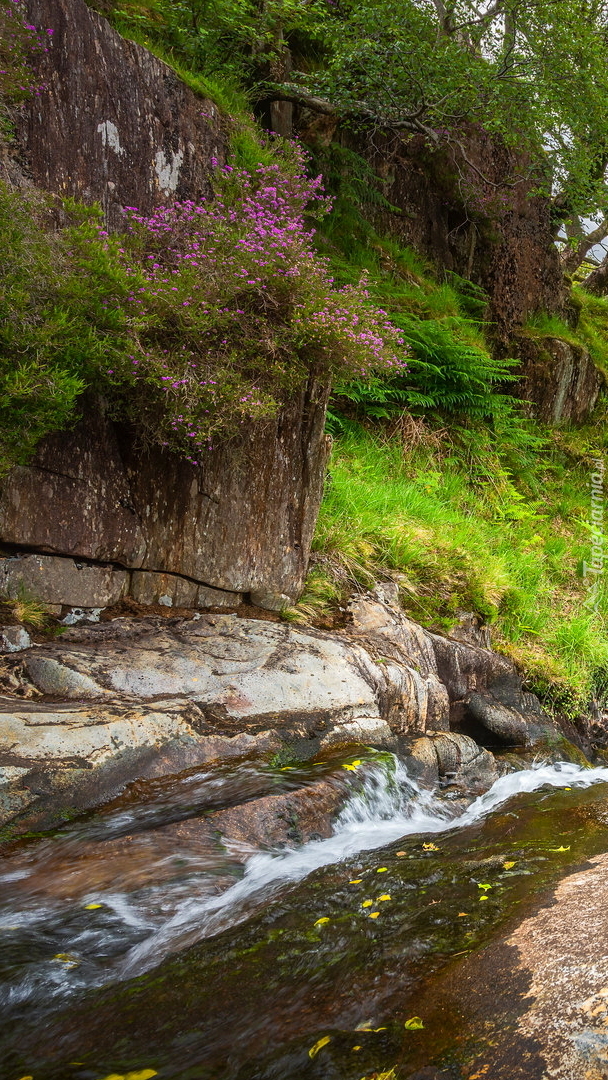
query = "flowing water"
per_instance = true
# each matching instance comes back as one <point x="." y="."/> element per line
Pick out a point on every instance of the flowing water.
<point x="131" y="943"/>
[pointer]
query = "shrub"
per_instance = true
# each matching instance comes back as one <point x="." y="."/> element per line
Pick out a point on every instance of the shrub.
<point x="199" y="319"/>
<point x="231" y="309"/>
<point x="21" y="46"/>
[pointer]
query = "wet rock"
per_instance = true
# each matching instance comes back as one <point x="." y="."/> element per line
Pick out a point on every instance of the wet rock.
<point x="79" y="755"/>
<point x="62" y="581"/>
<point x="305" y="814"/>
<point x="451" y="759"/>
<point x="14" y="639"/>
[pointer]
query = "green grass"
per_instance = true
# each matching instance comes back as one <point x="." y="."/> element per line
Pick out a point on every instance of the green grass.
<point x="457" y="539"/>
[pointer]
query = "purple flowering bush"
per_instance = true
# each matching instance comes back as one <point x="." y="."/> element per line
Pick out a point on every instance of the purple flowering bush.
<point x="21" y="47"/>
<point x="196" y="320"/>
<point x="229" y="309"/>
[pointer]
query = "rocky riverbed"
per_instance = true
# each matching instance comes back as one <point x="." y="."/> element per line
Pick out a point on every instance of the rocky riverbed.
<point x="128" y="699"/>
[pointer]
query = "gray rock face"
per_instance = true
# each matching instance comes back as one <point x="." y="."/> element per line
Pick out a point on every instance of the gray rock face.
<point x="114" y="125"/>
<point x="62" y="581"/>
<point x="240" y="523"/>
<point x="452" y="759"/>
<point x="560" y="380"/>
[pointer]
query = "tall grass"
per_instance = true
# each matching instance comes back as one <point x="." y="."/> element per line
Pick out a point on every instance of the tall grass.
<point x="459" y="541"/>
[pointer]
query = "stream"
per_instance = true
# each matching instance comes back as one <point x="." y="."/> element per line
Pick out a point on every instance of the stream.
<point x="130" y="948"/>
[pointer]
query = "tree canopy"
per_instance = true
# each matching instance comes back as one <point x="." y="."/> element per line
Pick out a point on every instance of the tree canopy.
<point x="533" y="72"/>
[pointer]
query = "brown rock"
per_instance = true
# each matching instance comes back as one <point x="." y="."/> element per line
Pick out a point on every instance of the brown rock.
<point x="243" y="521"/>
<point x="302" y="815"/>
<point x="114" y="124"/>
<point x="62" y="581"/>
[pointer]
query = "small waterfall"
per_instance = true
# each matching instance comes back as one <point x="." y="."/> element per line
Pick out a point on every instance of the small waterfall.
<point x="136" y="931"/>
<point x="386" y="806"/>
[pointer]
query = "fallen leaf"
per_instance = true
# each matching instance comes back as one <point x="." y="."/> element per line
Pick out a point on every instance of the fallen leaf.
<point x="355" y="1048"/>
<point x="463" y="914"/>
<point x="430" y="847"/>
<point x="485" y="887"/>
<point x="67" y="958"/>
<point x="322" y="921"/>
<point x="382" y="870"/>
<point x="484" y="897"/>
<point x="385" y="896"/>
<point x="507" y="865"/>
<point x="92" y="907"/>
<point x="413" y="1024"/>
<point x="374" y="914"/>
<point x="367" y="903"/>
<point x="356" y="881"/>
<point x="314" y="1050"/>
<point x="562" y="848"/>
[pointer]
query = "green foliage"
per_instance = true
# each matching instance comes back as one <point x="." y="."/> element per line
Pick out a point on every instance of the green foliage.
<point x="197" y="320"/>
<point x="492" y="524"/>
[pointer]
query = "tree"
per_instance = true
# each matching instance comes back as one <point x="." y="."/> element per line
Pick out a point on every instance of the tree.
<point x="531" y="71"/>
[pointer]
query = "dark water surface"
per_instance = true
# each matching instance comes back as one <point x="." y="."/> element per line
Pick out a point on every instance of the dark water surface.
<point x="125" y="951"/>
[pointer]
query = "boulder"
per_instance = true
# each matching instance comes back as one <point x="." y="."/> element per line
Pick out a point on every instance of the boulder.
<point x="62" y="581"/>
<point x="308" y="813"/>
<point x="242" y="522"/>
<point x="451" y="759"/>
<point x="14" y="639"/>
<point x="559" y="379"/>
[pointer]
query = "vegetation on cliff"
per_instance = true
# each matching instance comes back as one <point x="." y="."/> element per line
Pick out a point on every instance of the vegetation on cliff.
<point x="438" y="478"/>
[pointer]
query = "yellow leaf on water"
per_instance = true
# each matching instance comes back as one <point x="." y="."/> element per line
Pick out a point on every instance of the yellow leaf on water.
<point x="562" y="848"/>
<point x="352" y="765"/>
<point x="314" y="1050"/>
<point x="385" y="896"/>
<point x="92" y="907"/>
<point x="508" y="865"/>
<point x="356" y="881"/>
<point x="321" y="922"/>
<point x="382" y="870"/>
<point x="67" y="958"/>
<point x="367" y="903"/>
<point x="413" y="1024"/>
<point x="374" y="914"/>
<point x="430" y="847"/>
